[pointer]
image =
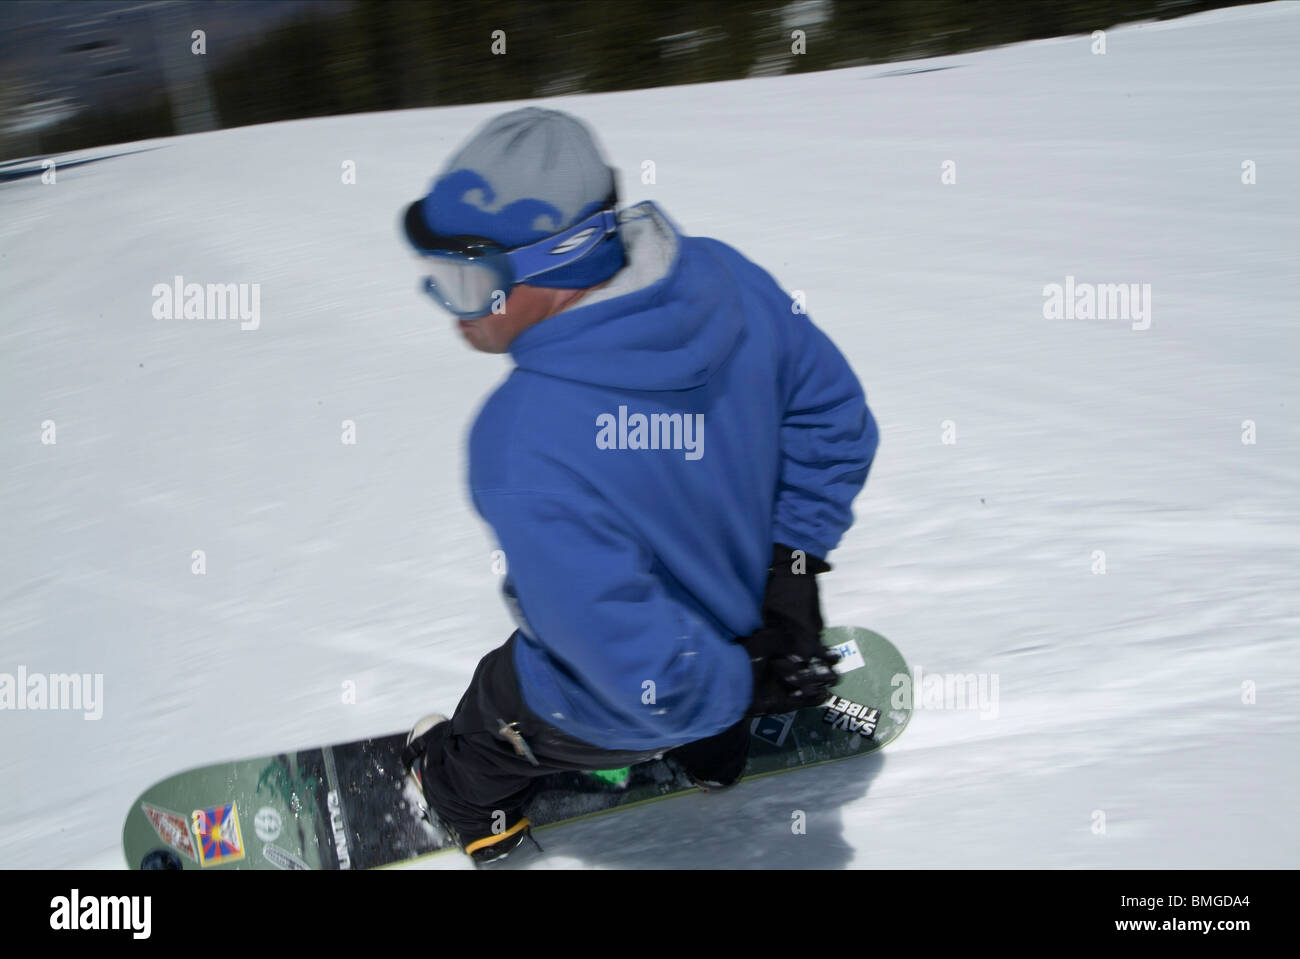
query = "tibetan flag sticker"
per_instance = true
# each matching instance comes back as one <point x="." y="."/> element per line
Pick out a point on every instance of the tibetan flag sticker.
<point x="217" y="828"/>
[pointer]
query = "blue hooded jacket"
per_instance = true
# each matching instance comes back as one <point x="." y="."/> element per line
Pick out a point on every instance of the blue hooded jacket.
<point x="652" y="444"/>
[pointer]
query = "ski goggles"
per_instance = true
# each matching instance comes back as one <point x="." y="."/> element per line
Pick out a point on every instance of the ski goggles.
<point x="465" y="273"/>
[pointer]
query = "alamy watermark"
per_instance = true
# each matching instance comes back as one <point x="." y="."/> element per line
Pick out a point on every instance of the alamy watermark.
<point x="77" y="912"/>
<point x="1098" y="301"/>
<point x="656" y="431"/>
<point x="922" y="690"/>
<point x="70" y="691"/>
<point x="212" y="301"/>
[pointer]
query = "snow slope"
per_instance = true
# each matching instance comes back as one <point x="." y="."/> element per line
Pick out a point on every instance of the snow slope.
<point x="1120" y="695"/>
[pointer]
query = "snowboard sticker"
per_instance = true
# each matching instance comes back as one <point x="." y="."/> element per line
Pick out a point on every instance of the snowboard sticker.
<point x="217" y="828"/>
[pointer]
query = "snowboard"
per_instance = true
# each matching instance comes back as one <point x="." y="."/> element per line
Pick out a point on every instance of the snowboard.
<point x="352" y="805"/>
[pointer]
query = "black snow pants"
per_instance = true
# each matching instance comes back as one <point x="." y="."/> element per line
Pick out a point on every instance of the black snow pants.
<point x="474" y="772"/>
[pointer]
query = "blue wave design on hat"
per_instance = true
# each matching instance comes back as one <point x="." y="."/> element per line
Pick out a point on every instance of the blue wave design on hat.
<point x="464" y="202"/>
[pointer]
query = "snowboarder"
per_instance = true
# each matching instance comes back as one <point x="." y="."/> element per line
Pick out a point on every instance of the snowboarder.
<point x="666" y="468"/>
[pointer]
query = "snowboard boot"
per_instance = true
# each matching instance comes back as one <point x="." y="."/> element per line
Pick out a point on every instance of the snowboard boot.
<point x="718" y="762"/>
<point x="491" y="847"/>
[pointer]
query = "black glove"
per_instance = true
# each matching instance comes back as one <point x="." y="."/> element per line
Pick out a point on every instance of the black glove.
<point x="792" y="668"/>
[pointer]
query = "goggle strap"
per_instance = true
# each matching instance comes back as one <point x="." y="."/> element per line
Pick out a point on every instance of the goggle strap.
<point x="547" y="245"/>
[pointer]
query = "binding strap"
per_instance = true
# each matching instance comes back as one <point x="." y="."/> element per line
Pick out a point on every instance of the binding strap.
<point x="417" y="747"/>
<point x="493" y="840"/>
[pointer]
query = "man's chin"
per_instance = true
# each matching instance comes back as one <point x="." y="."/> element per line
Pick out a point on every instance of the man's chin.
<point x="474" y="336"/>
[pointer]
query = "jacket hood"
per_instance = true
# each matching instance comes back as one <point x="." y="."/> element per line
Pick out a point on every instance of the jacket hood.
<point x="666" y="321"/>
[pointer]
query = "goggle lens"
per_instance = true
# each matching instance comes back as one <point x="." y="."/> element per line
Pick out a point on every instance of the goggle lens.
<point x="466" y="287"/>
